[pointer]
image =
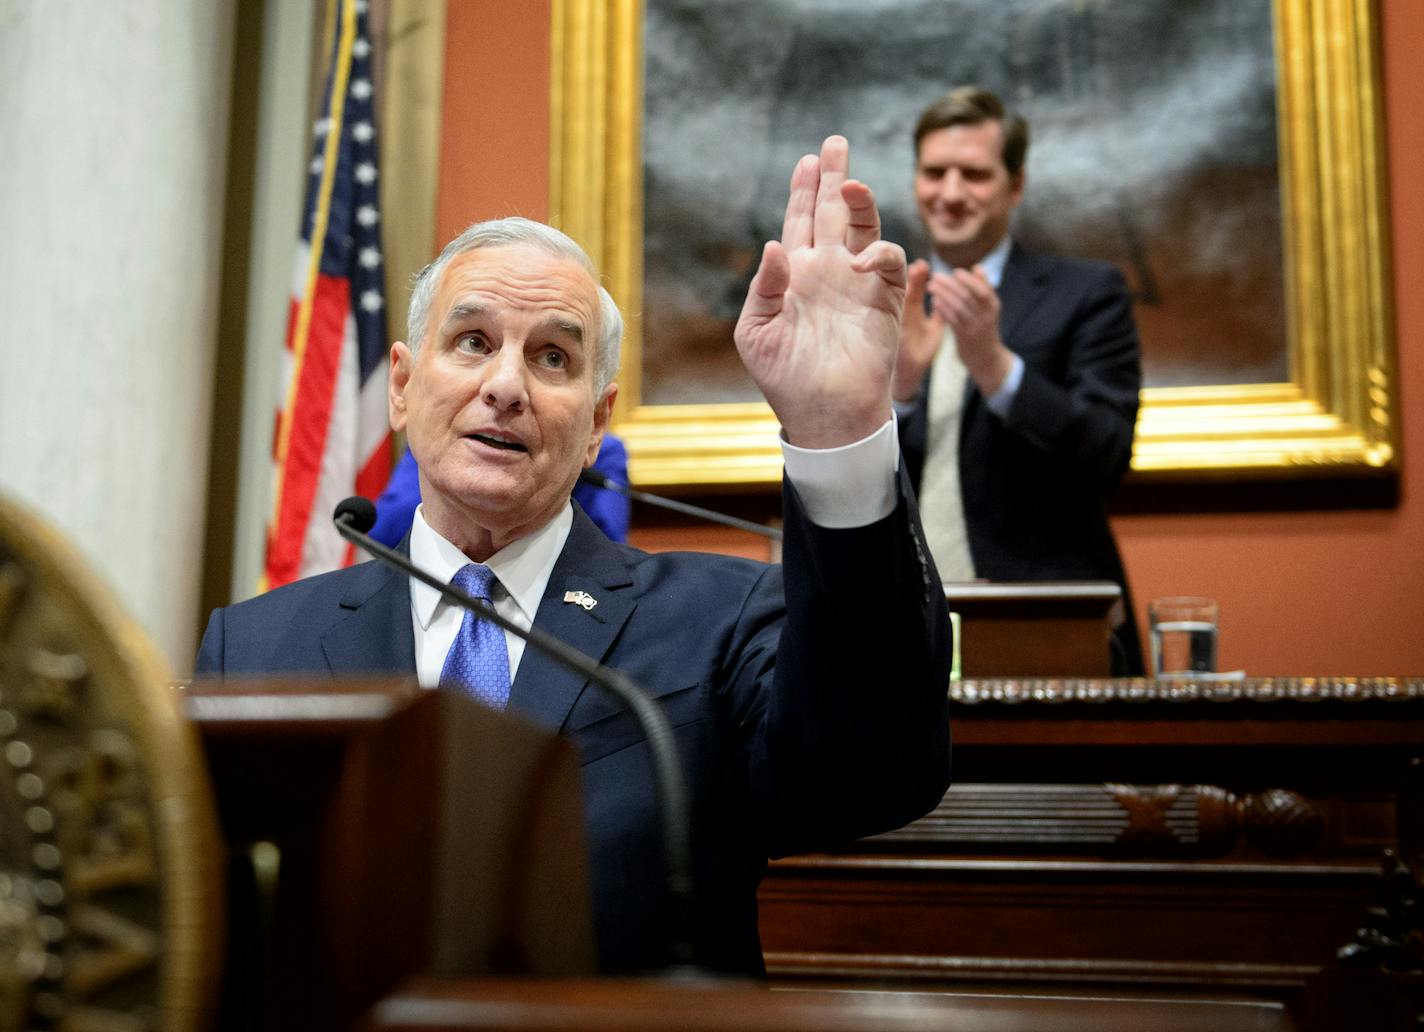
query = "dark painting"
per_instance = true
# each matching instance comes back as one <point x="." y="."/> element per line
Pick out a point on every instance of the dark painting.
<point x="1153" y="146"/>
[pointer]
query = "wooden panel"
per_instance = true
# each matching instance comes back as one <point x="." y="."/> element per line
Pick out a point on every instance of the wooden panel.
<point x="1146" y="922"/>
<point x="1035" y="629"/>
<point x="1126" y="833"/>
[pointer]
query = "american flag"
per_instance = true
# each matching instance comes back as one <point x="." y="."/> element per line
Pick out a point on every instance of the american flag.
<point x="332" y="437"/>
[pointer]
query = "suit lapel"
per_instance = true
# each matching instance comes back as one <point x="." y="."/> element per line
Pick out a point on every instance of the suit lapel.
<point x="1019" y="290"/>
<point x="543" y="689"/>
<point x="374" y="633"/>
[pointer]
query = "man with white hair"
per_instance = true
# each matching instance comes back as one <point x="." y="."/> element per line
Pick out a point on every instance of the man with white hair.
<point x="808" y="704"/>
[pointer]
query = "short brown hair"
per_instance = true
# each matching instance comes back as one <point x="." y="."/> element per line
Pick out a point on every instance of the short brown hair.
<point x="973" y="105"/>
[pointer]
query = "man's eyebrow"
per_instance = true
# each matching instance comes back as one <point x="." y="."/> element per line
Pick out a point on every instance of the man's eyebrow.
<point x="461" y="312"/>
<point x="568" y="327"/>
<point x="469" y="310"/>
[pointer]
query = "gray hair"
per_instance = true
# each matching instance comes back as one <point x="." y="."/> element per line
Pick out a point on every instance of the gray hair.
<point x="515" y="230"/>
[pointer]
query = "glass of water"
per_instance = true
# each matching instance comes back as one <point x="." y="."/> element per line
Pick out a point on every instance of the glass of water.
<point x="1183" y="636"/>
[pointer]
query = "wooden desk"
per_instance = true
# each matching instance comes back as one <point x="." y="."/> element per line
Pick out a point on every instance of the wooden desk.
<point x="1035" y="628"/>
<point x="1123" y="834"/>
<point x="669" y="1005"/>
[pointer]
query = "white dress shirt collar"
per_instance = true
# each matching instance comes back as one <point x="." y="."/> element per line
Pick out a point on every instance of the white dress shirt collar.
<point x="993" y="262"/>
<point x="522" y="567"/>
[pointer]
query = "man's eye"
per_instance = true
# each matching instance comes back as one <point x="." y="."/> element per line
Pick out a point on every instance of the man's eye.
<point x="475" y="343"/>
<point x="553" y="358"/>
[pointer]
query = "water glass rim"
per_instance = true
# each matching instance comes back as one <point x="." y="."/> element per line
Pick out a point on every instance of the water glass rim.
<point x="1183" y="601"/>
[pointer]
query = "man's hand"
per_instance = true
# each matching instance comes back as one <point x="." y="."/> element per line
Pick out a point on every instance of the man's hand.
<point x="969" y="306"/>
<point x="920" y="336"/>
<point x="821" y="322"/>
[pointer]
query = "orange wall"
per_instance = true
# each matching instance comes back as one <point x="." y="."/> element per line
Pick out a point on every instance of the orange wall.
<point x="1302" y="593"/>
<point x="494" y="141"/>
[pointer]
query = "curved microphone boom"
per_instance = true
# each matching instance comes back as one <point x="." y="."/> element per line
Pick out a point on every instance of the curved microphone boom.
<point x="597" y="479"/>
<point x="356" y="515"/>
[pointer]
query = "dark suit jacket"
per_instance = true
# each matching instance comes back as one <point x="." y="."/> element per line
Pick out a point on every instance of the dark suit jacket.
<point x="809" y="705"/>
<point x="1033" y="483"/>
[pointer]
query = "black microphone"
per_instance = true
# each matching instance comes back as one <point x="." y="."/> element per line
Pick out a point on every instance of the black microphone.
<point x="597" y="479"/>
<point x="356" y="515"/>
<point x="356" y="512"/>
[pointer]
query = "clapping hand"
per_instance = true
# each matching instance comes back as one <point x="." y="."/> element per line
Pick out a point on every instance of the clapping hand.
<point x="920" y="336"/>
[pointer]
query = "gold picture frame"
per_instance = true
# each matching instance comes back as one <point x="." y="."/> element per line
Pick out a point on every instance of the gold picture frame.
<point x="1335" y="415"/>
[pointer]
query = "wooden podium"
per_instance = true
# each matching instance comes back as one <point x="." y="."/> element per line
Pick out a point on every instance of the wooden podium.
<point x="1035" y="628"/>
<point x="377" y="831"/>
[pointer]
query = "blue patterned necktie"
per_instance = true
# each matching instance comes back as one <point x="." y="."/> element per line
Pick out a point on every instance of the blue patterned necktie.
<point x="478" y="661"/>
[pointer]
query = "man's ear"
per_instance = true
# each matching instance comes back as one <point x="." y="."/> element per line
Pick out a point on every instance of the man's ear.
<point x="602" y="416"/>
<point x="401" y="363"/>
<point x="1016" y="185"/>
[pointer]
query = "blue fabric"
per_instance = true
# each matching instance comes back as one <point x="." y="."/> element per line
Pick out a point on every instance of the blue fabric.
<point x="609" y="510"/>
<point x="478" y="661"/>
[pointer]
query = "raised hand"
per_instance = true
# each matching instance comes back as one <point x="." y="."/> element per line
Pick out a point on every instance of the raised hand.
<point x="821" y="322"/>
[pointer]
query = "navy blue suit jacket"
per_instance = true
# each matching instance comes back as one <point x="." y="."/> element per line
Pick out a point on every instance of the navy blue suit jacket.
<point x="1034" y="483"/>
<point x="809" y="700"/>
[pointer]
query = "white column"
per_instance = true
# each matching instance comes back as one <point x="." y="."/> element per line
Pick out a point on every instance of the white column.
<point x="113" y="139"/>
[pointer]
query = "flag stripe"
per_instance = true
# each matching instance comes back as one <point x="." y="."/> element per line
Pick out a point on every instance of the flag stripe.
<point x="335" y="475"/>
<point x="332" y="435"/>
<point x="377" y="470"/>
<point x="308" y="424"/>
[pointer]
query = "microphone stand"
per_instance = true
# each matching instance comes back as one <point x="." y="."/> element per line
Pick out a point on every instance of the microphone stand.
<point x="669" y="785"/>
<point x="597" y="479"/>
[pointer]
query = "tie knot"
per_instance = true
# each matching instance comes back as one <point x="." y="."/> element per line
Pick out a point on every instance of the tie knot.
<point x="474" y="579"/>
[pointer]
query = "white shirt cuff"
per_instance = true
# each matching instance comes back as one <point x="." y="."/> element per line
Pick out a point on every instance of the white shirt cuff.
<point x="849" y="486"/>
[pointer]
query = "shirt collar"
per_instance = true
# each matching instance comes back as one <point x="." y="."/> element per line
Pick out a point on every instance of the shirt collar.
<point x="993" y="262"/>
<point x="522" y="567"/>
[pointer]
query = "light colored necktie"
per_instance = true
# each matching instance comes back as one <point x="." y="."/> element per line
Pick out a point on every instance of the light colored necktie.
<point x="941" y="503"/>
<point x="478" y="661"/>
